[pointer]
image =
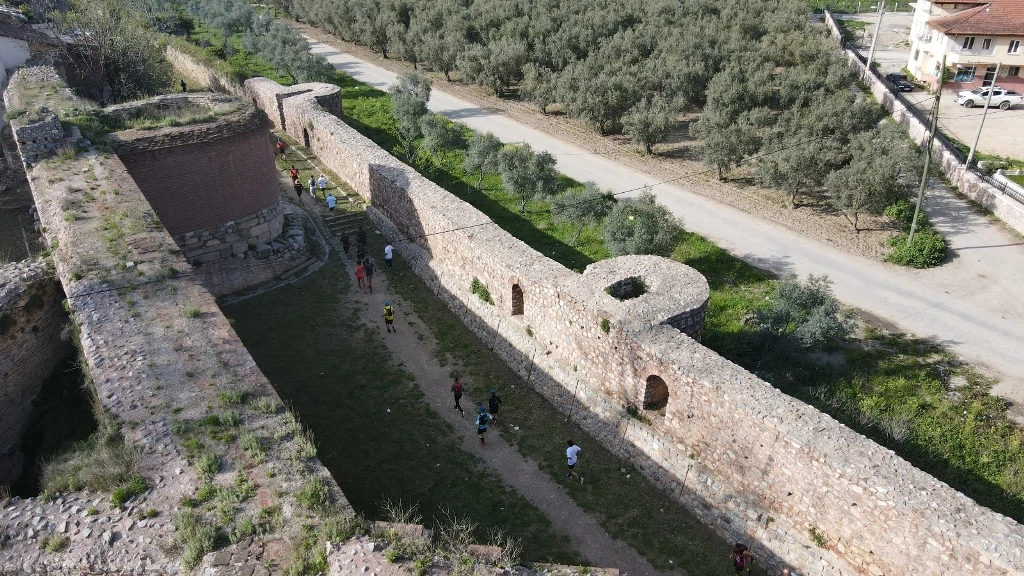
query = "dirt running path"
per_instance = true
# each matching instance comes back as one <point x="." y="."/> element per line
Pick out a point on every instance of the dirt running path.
<point x="584" y="533"/>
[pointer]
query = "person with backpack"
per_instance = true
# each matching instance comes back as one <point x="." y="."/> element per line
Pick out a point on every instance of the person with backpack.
<point x="457" y="392"/>
<point x="361" y="276"/>
<point x="368" y="269"/>
<point x="482" y="420"/>
<point x="741" y="558"/>
<point x="572" y="454"/>
<point x="389" y="317"/>
<point x="493" y="403"/>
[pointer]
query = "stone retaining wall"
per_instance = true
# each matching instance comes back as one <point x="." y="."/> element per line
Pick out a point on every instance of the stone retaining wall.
<point x="967" y="182"/>
<point x="749" y="460"/>
<point x="31" y="322"/>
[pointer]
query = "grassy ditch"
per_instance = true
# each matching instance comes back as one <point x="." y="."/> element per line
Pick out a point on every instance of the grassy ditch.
<point x="898" y="390"/>
<point x="376" y="434"/>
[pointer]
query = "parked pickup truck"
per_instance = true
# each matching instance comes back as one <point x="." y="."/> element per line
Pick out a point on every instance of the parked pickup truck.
<point x="1001" y="97"/>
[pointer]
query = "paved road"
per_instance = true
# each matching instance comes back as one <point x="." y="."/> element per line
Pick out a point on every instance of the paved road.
<point x="974" y="303"/>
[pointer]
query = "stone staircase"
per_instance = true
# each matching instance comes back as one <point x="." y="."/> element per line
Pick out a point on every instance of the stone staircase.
<point x="349" y="215"/>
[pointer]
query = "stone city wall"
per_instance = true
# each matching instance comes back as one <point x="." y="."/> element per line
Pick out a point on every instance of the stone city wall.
<point x="749" y="460"/>
<point x="967" y="182"/>
<point x="158" y="351"/>
<point x="196" y="73"/>
<point x="31" y="322"/>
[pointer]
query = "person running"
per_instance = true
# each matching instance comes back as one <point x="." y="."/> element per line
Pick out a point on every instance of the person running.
<point x="298" y="188"/>
<point x="312" y="186"/>
<point x="331" y="201"/>
<point x="345" y="243"/>
<point x="389" y="317"/>
<point x="368" y="270"/>
<point x="457" y="392"/>
<point x="294" y="173"/>
<point x="482" y="420"/>
<point x="184" y="87"/>
<point x="361" y="275"/>
<point x="322" y="182"/>
<point x="360" y="251"/>
<point x="741" y="558"/>
<point x="360" y="237"/>
<point x="389" y="253"/>
<point x="280" y="146"/>
<point x="493" y="403"/>
<point x="572" y="454"/>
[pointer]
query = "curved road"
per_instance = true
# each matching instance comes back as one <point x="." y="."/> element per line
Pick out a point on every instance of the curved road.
<point x="973" y="304"/>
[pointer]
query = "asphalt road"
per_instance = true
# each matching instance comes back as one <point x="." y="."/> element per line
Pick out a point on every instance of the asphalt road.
<point x="974" y="303"/>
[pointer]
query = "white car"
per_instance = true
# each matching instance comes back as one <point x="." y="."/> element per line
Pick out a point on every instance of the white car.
<point x="1001" y="97"/>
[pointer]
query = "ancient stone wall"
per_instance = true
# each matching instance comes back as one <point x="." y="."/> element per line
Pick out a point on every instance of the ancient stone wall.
<point x="749" y="460"/>
<point x="31" y="322"/>
<point x="196" y="73"/>
<point x="158" y="351"/>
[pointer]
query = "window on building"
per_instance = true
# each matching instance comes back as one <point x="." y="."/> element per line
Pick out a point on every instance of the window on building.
<point x="965" y="74"/>
<point x="986" y="44"/>
<point x="1014" y="47"/>
<point x="517" y="300"/>
<point x="655" y="394"/>
<point x="968" y="42"/>
<point x="917" y="55"/>
<point x="1014" y="71"/>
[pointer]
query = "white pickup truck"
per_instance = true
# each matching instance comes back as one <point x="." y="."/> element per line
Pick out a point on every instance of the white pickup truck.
<point x="1001" y="97"/>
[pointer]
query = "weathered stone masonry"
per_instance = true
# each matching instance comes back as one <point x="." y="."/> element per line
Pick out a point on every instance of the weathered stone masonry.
<point x="749" y="460"/>
<point x="31" y="322"/>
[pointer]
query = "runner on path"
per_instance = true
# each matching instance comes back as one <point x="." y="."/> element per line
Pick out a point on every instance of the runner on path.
<point x="345" y="243"/>
<point x="312" y="186"/>
<point x="482" y="420"/>
<point x="368" y="270"/>
<point x="741" y="558"/>
<point x="389" y="317"/>
<point x="360" y="237"/>
<point x="322" y="182"/>
<point x="457" y="392"/>
<point x="493" y="403"/>
<point x="331" y="201"/>
<point x="294" y="173"/>
<point x="572" y="454"/>
<point x="389" y="253"/>
<point x="298" y="188"/>
<point x="280" y="146"/>
<point x="361" y="276"/>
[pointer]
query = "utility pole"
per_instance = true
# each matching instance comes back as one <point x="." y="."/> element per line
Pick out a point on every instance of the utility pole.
<point x="878" y="28"/>
<point x="991" y="89"/>
<point x="928" y="151"/>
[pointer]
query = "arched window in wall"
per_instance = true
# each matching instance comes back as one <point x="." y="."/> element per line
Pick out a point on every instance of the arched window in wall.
<point x="517" y="300"/>
<point x="656" y="394"/>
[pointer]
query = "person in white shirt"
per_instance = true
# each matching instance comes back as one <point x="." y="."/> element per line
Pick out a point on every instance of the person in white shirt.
<point x="322" y="182"/>
<point x="331" y="202"/>
<point x="572" y="454"/>
<point x="389" y="252"/>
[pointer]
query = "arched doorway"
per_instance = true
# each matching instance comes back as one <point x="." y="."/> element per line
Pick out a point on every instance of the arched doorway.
<point x="517" y="300"/>
<point x="656" y="393"/>
<point x="305" y="138"/>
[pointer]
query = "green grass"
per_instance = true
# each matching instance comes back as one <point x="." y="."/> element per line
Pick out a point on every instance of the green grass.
<point x="1018" y="179"/>
<point x="377" y="436"/>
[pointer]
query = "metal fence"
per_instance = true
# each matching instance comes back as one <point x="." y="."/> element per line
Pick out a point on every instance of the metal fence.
<point x="1001" y="186"/>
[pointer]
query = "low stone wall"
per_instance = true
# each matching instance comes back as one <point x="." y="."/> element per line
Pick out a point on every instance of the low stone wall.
<point x="749" y="460"/>
<point x="234" y="238"/>
<point x="31" y="322"/>
<point x="198" y="74"/>
<point x="970" y="184"/>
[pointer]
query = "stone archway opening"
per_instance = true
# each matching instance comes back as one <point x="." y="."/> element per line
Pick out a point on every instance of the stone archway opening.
<point x="655" y="394"/>
<point x="517" y="300"/>
<point x="305" y="138"/>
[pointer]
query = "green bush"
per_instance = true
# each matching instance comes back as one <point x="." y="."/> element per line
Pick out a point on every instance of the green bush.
<point x="480" y="289"/>
<point x="314" y="494"/>
<point x="195" y="536"/>
<point x="133" y="487"/>
<point x="928" y="250"/>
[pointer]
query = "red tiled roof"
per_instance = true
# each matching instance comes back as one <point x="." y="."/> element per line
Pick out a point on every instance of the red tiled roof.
<point x="996" y="18"/>
<point x="959" y="1"/>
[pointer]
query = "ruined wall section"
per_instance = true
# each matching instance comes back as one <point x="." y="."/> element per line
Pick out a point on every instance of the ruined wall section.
<point x="749" y="460"/>
<point x="158" y="351"/>
<point x="31" y="347"/>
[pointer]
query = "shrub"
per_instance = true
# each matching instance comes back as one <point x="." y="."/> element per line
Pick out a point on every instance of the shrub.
<point x="133" y="487"/>
<point x="231" y="418"/>
<point x="265" y="405"/>
<point x="101" y="463"/>
<point x="208" y="464"/>
<point x="191" y="312"/>
<point x="233" y="396"/>
<point x="480" y="289"/>
<point x="807" y="312"/>
<point x="314" y="494"/>
<point x="195" y="536"/>
<point x="53" y="543"/>
<point x="641" y="226"/>
<point x="252" y="447"/>
<point x="928" y="250"/>
<point x="606" y="325"/>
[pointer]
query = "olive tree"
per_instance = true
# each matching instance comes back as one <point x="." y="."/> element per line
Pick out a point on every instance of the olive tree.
<point x="527" y="174"/>
<point x="641" y="226"/>
<point x="581" y="207"/>
<point x="439" y="134"/>
<point x="409" y="97"/>
<point x="806" y="312"/>
<point x="482" y="155"/>
<point x="649" y="121"/>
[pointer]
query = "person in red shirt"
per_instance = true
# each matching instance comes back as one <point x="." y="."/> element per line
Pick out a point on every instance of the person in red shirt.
<point x="280" y="146"/>
<point x="294" y="172"/>
<point x="361" y="275"/>
<point x="457" y="392"/>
